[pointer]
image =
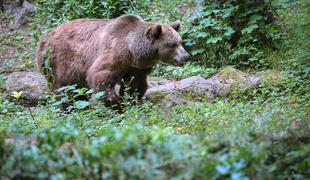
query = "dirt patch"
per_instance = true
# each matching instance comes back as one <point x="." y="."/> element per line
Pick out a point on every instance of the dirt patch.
<point x="16" y="51"/>
<point x="7" y="49"/>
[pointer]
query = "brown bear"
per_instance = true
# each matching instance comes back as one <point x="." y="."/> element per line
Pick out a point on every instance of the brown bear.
<point x="100" y="53"/>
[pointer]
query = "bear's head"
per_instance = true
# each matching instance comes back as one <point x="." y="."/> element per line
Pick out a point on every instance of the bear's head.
<point x="168" y="43"/>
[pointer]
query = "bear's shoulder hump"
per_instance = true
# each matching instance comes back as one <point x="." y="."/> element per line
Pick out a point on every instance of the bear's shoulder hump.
<point x="129" y="18"/>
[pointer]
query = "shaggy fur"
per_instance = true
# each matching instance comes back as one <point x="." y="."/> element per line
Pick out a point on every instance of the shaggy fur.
<point x="100" y="53"/>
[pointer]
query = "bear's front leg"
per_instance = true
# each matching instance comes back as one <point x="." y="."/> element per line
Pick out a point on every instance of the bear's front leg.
<point x="136" y="81"/>
<point x="104" y="81"/>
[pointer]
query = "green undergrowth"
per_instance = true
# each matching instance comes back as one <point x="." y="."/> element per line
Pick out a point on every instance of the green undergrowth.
<point x="218" y="140"/>
<point x="188" y="70"/>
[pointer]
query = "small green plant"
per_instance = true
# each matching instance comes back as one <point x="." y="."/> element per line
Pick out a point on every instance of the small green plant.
<point x="17" y="94"/>
<point x="68" y="97"/>
<point x="73" y="98"/>
<point x="7" y="107"/>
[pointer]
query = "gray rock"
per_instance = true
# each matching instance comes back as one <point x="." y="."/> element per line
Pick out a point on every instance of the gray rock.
<point x="156" y="81"/>
<point x="31" y="84"/>
<point x="228" y="81"/>
<point x="23" y="15"/>
<point x="21" y="10"/>
<point x="181" y="92"/>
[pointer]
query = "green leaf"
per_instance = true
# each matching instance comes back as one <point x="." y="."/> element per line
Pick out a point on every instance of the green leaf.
<point x="208" y="22"/>
<point x="202" y="34"/>
<point x="89" y="91"/>
<point x="306" y="70"/>
<point x="197" y="51"/>
<point x="99" y="95"/>
<point x="62" y="100"/>
<point x="70" y="88"/>
<point x="214" y="40"/>
<point x="189" y="42"/>
<point x="254" y="18"/>
<point x="249" y="29"/>
<point x="229" y="31"/>
<point x="81" y="104"/>
<point x="17" y="95"/>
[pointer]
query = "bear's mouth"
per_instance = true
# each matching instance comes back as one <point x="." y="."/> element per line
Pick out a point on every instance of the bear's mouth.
<point x="178" y="63"/>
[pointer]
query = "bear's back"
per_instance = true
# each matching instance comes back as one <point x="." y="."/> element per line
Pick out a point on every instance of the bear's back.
<point x="123" y="25"/>
<point x="79" y="28"/>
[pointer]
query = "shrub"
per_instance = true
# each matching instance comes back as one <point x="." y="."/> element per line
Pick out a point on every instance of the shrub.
<point x="233" y="33"/>
<point x="51" y="13"/>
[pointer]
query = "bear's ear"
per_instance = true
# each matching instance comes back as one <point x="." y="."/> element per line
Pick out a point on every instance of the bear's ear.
<point x="176" y="25"/>
<point x="154" y="32"/>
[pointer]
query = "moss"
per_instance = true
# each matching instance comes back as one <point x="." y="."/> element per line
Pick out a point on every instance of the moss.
<point x="272" y="77"/>
<point x="230" y="72"/>
<point x="191" y="95"/>
<point x="158" y="96"/>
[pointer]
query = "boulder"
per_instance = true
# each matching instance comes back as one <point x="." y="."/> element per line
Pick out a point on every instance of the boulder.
<point x="21" y="10"/>
<point x="227" y="82"/>
<point x="23" y="15"/>
<point x="157" y="81"/>
<point x="31" y="84"/>
<point x="180" y="92"/>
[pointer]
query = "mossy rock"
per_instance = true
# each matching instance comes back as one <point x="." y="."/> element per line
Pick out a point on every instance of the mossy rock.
<point x="229" y="81"/>
<point x="272" y="77"/>
<point x="158" y="96"/>
<point x="231" y="73"/>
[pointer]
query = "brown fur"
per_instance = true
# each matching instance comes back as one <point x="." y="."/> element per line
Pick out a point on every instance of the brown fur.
<point x="99" y="53"/>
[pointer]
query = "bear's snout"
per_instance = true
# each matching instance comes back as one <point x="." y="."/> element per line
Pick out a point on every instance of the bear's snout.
<point x="182" y="57"/>
<point x="186" y="57"/>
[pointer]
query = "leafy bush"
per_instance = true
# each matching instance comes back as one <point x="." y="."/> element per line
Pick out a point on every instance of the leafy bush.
<point x="123" y="153"/>
<point x="51" y="13"/>
<point x="233" y="32"/>
<point x="165" y="11"/>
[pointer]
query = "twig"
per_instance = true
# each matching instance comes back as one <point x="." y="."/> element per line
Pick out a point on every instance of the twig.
<point x="34" y="121"/>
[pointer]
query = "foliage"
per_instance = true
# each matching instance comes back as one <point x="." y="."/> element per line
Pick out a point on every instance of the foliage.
<point x="188" y="70"/>
<point x="297" y="44"/>
<point x="164" y="11"/>
<point x="52" y="13"/>
<point x="233" y="33"/>
<point x="206" y="140"/>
